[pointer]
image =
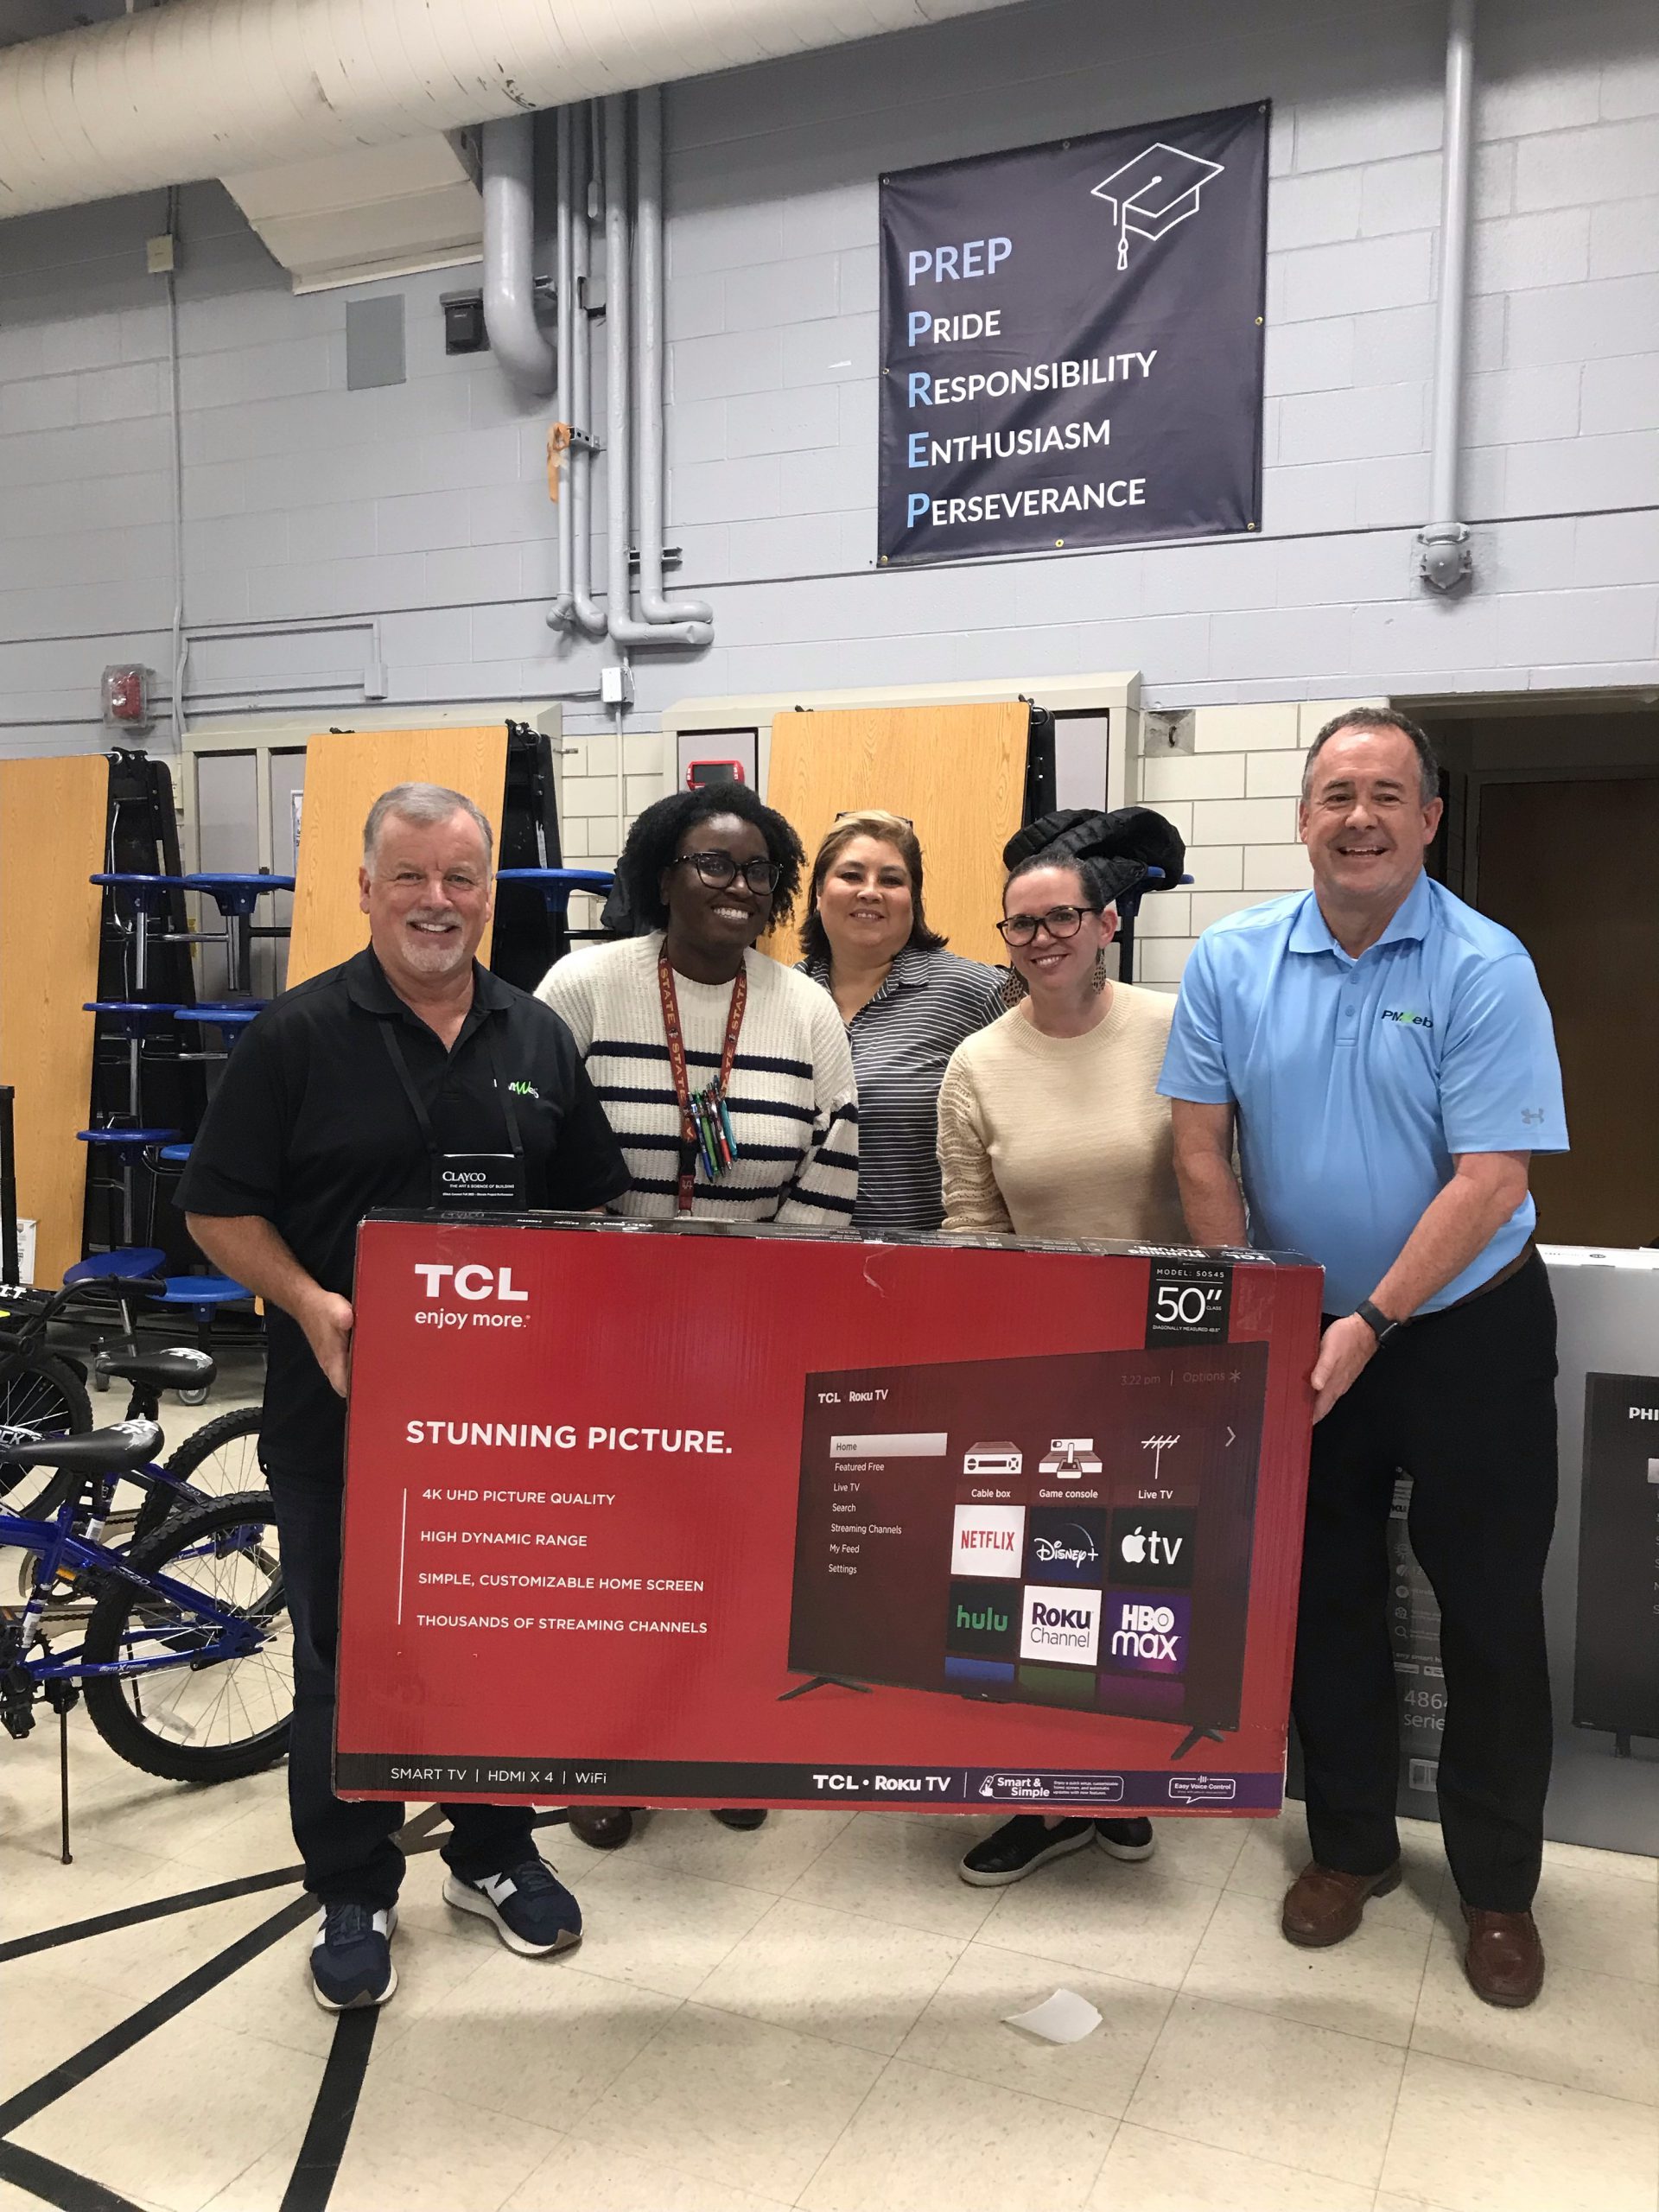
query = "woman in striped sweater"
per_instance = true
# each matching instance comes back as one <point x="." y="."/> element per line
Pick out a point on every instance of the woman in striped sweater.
<point x="727" y="1077"/>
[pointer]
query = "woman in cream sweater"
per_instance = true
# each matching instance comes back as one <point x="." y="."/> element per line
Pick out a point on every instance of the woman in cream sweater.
<point x="1050" y="1125"/>
<point x="1049" y="1120"/>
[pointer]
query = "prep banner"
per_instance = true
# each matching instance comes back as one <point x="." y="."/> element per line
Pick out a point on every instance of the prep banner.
<point x="684" y="1514"/>
<point x="1071" y="341"/>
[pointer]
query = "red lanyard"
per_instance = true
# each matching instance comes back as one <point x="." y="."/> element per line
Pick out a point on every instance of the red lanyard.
<point x="705" y="1124"/>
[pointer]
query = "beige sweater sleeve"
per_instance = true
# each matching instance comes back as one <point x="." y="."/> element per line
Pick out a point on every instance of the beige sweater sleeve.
<point x="973" y="1205"/>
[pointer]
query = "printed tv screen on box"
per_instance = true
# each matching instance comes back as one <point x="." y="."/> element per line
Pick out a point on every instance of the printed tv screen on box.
<point x="686" y="1515"/>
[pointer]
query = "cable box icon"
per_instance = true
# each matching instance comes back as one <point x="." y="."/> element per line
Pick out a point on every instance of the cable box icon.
<point x="1069" y="1459"/>
<point x="993" y="1459"/>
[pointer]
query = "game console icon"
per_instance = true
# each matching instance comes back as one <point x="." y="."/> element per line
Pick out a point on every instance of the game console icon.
<point x="1070" y="1458"/>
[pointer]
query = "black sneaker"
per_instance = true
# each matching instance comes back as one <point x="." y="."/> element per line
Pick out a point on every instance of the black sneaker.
<point x="1125" y="1838"/>
<point x="351" y="1957"/>
<point x="1019" y="1847"/>
<point x="528" y="1906"/>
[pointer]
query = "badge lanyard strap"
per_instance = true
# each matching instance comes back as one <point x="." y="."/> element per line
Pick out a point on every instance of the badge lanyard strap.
<point x="418" y="1104"/>
<point x="705" y="1123"/>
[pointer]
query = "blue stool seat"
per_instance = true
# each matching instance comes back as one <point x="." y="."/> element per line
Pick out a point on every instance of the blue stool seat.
<point x="114" y="1139"/>
<point x="556" y="884"/>
<point x="124" y="1266"/>
<point x="231" y="1015"/>
<point x="173" y="1155"/>
<point x="203" y="1292"/>
<point x="234" y="894"/>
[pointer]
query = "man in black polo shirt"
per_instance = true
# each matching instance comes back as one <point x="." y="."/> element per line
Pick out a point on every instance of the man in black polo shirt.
<point x="362" y="1087"/>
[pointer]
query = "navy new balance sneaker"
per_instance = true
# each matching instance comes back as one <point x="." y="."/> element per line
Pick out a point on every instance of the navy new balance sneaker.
<point x="528" y="1906"/>
<point x="351" y="1957"/>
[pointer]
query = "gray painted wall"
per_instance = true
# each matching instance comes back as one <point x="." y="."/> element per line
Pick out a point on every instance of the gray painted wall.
<point x="424" y="505"/>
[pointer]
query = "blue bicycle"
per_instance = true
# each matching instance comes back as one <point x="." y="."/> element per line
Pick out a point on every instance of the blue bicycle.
<point x="180" y="1644"/>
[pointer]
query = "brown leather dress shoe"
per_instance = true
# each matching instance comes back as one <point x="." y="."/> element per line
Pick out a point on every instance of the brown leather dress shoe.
<point x="1322" y="1906"/>
<point x="1505" y="1959"/>
<point x="602" y="1828"/>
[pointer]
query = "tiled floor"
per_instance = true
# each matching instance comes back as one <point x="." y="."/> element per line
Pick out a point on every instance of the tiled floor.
<point x="813" y="2015"/>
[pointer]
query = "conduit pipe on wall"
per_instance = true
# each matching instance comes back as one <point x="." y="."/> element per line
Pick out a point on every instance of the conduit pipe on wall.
<point x="624" y="630"/>
<point x="206" y="88"/>
<point x="516" y="339"/>
<point x="1445" y="559"/>
<point x="576" y="394"/>
<point x="648" y="387"/>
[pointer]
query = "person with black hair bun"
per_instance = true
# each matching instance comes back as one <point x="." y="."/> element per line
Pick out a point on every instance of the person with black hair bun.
<point x="1051" y="1126"/>
<point x="727" y="1077"/>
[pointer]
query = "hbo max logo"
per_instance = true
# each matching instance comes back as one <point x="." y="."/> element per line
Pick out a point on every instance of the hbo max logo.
<point x="1061" y="1625"/>
<point x="1146" y="1632"/>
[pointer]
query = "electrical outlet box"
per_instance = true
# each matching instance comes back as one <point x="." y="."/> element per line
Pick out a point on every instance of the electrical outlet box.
<point x="616" y="685"/>
<point x="158" y="254"/>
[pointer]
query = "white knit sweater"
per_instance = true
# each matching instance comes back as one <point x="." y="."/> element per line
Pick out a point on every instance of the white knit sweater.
<point x="792" y="1099"/>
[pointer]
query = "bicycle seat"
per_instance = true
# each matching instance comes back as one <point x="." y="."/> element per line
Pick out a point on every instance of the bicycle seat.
<point x="180" y="1367"/>
<point x="115" y="1450"/>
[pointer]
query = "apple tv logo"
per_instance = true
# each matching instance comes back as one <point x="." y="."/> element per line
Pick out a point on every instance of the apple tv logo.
<point x="1153" y="1546"/>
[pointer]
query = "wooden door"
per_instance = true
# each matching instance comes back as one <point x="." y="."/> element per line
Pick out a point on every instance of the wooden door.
<point x="1569" y="866"/>
<point x="957" y="772"/>
<point x="53" y="820"/>
<point x="345" y="771"/>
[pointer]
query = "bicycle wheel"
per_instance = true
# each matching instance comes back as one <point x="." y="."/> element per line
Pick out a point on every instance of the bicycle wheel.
<point x="46" y="1395"/>
<point x="202" y="1719"/>
<point x="221" y="1460"/>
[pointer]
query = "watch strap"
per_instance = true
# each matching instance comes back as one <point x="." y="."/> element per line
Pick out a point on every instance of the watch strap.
<point x="1381" y="1326"/>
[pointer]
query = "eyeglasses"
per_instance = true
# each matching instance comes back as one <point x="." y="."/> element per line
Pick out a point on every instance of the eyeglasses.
<point x="1059" y="921"/>
<point x="718" y="871"/>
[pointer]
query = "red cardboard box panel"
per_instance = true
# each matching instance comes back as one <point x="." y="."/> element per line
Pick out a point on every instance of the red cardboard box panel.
<point x="686" y="1515"/>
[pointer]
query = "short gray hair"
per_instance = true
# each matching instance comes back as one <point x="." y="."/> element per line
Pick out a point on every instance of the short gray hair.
<point x="427" y="804"/>
<point x="1428" y="767"/>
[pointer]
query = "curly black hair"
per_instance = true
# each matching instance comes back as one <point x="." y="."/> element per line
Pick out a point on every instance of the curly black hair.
<point x="655" y="839"/>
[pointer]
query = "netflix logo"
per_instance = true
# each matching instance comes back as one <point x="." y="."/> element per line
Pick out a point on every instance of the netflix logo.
<point x="988" y="1541"/>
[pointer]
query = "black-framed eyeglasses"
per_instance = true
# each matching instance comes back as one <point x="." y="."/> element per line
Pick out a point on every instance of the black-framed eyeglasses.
<point x="1059" y="921"/>
<point x="719" y="871"/>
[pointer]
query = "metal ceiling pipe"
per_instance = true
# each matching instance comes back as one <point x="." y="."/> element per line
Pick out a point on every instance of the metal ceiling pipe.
<point x="207" y="88"/>
<point x="1445" y="559"/>
<point x="516" y="339"/>
<point x="576" y="395"/>
<point x="649" y="364"/>
<point x="625" y="630"/>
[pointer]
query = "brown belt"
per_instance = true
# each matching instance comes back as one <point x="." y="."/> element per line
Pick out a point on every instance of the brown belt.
<point x="1492" y="1283"/>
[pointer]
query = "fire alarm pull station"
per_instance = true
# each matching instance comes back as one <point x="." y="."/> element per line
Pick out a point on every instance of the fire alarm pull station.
<point x="699" y="773"/>
<point x="126" y="698"/>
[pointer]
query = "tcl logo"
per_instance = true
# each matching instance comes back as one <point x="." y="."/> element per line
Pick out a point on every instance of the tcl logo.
<point x="475" y="1284"/>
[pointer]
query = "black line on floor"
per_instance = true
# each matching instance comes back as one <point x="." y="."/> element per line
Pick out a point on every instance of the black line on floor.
<point x="100" y="2053"/>
<point x="56" y="2185"/>
<point x="311" y="2181"/>
<point x="106" y="1923"/>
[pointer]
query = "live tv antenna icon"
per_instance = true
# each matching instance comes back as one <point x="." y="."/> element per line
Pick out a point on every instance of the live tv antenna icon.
<point x="1154" y="192"/>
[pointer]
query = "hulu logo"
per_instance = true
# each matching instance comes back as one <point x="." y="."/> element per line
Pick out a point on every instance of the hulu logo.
<point x="988" y="1620"/>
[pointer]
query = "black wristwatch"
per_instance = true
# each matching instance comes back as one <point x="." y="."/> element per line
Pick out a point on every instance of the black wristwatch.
<point x="1377" y="1322"/>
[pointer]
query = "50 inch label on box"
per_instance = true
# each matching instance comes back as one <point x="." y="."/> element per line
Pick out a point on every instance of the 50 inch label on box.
<point x="1188" y="1300"/>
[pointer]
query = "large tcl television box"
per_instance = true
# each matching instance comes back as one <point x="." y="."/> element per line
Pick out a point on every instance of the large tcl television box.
<point x="689" y="1514"/>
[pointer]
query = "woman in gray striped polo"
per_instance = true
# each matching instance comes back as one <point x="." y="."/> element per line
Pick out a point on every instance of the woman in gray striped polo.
<point x="908" y="1004"/>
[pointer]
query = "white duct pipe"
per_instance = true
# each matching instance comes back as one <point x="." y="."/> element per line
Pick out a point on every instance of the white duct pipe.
<point x="1444" y="560"/>
<point x="516" y="339"/>
<point x="564" y="279"/>
<point x="206" y="88"/>
<point x="648" y="390"/>
<point x="586" y="613"/>
<point x="619" y="428"/>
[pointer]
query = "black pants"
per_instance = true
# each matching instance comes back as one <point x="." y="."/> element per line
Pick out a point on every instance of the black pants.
<point x="349" y="1847"/>
<point x="1464" y="1401"/>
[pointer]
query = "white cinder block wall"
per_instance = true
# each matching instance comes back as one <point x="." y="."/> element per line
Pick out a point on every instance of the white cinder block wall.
<point x="423" y="508"/>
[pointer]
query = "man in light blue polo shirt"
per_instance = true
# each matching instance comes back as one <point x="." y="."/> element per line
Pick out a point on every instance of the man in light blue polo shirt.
<point x="1384" y="1058"/>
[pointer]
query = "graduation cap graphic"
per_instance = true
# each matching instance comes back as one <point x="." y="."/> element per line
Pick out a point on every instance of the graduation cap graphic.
<point x="1151" y="194"/>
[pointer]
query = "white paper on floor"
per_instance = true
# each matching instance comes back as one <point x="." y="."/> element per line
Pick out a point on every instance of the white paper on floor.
<point x="1063" y="2017"/>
